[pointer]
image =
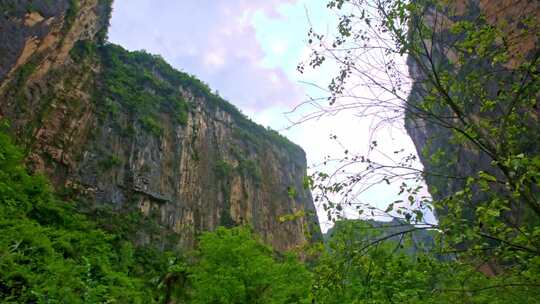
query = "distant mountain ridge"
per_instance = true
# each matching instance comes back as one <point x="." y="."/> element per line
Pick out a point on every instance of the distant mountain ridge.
<point x="406" y="237"/>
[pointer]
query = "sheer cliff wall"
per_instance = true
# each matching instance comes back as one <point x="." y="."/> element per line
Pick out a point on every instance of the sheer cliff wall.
<point x="125" y="131"/>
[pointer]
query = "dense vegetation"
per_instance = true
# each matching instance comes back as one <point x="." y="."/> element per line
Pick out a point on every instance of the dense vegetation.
<point x="147" y="85"/>
<point x="149" y="90"/>
<point x="50" y="253"/>
<point x="130" y="79"/>
<point x="472" y="109"/>
<point x="485" y="247"/>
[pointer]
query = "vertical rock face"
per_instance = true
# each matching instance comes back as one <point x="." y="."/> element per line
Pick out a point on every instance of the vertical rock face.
<point x="38" y="35"/>
<point x="430" y="138"/>
<point x="126" y="131"/>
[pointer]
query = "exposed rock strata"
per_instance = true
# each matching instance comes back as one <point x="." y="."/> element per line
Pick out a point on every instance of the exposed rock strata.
<point x="214" y="167"/>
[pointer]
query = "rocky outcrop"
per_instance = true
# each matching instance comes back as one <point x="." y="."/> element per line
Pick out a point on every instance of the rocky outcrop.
<point x="38" y="35"/>
<point x="126" y="131"/>
<point x="457" y="161"/>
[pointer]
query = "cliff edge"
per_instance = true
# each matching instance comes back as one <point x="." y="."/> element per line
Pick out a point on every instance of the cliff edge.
<point x="125" y="131"/>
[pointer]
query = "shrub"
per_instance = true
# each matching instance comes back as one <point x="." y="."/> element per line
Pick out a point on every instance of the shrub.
<point x="151" y="125"/>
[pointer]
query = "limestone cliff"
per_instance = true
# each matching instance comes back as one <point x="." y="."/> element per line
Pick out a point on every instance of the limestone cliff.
<point x="124" y="130"/>
<point x="458" y="161"/>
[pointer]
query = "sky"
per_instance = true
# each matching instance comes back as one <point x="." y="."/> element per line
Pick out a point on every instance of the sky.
<point x="248" y="51"/>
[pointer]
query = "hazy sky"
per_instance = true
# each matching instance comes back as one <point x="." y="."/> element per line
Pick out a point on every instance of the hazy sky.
<point x="248" y="51"/>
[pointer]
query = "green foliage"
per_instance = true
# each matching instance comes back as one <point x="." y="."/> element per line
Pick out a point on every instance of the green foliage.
<point x="246" y="167"/>
<point x="224" y="172"/>
<point x="292" y="216"/>
<point x="355" y="270"/>
<point x="30" y="7"/>
<point x="250" y="168"/>
<point x="71" y="15"/>
<point x="8" y="8"/>
<point x="49" y="252"/>
<point x="130" y="80"/>
<point x="474" y="108"/>
<point x="235" y="267"/>
<point x="82" y="49"/>
<point x="110" y="162"/>
<point x="261" y="137"/>
<point x="151" y="125"/>
<point x="145" y="85"/>
<point x="223" y="169"/>
<point x="23" y="72"/>
<point x="101" y="36"/>
<point x="291" y="192"/>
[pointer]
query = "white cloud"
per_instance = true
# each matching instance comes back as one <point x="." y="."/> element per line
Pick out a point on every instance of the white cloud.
<point x="213" y="40"/>
<point x="279" y="46"/>
<point x="214" y="59"/>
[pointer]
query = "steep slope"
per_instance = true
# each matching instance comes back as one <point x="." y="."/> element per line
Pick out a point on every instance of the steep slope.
<point x="124" y="130"/>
